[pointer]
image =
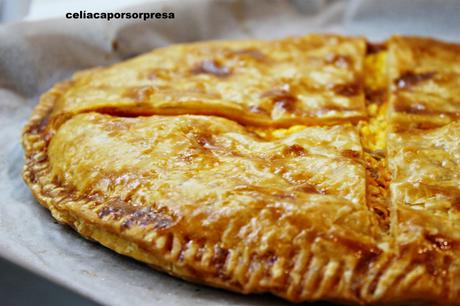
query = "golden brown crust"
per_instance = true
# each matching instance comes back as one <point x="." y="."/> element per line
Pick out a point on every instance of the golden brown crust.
<point x="211" y="201"/>
<point x="304" y="80"/>
<point x="425" y="82"/>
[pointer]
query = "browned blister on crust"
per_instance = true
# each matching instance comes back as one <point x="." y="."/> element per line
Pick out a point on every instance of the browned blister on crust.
<point x="425" y="188"/>
<point x="425" y="82"/>
<point x="149" y="157"/>
<point x="303" y="80"/>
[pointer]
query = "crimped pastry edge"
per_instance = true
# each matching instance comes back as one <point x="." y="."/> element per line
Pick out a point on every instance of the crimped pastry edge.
<point x="53" y="196"/>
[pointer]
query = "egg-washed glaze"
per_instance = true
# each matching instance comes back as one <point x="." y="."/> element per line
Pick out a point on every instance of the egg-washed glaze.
<point x="308" y="80"/>
<point x="176" y="158"/>
<point x="425" y="82"/>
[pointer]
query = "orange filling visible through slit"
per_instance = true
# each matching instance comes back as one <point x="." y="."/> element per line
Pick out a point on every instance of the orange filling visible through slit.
<point x="372" y="132"/>
<point x="373" y="137"/>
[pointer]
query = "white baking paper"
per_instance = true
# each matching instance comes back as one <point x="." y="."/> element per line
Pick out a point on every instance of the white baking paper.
<point x="34" y="55"/>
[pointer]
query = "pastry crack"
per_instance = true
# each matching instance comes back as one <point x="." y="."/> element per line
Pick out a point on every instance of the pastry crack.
<point x="223" y="163"/>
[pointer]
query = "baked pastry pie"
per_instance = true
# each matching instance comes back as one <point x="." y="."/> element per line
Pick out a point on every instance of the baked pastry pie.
<point x="314" y="168"/>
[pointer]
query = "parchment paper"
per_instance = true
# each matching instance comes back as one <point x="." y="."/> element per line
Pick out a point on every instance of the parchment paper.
<point x="35" y="55"/>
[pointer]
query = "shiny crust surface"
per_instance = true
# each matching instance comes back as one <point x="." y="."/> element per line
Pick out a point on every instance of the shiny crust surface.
<point x="309" y="80"/>
<point x="425" y="196"/>
<point x="203" y="187"/>
<point x="425" y="82"/>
